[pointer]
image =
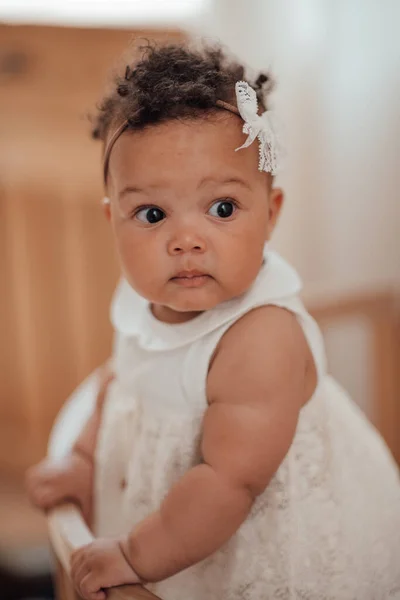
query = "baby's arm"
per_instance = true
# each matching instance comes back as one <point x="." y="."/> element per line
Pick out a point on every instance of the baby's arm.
<point x="52" y="482"/>
<point x="256" y="387"/>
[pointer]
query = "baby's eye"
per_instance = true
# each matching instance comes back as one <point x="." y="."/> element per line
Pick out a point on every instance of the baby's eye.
<point x="150" y="214"/>
<point x="222" y="209"/>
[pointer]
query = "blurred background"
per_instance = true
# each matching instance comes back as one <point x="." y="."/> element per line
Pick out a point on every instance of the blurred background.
<point x="337" y="66"/>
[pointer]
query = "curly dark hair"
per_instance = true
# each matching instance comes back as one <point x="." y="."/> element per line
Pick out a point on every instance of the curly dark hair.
<point x="172" y="81"/>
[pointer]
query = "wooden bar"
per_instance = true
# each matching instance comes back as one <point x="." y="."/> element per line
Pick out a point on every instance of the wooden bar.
<point x="68" y="532"/>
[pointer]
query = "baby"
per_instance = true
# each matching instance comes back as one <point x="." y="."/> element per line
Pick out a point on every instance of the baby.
<point x="222" y="462"/>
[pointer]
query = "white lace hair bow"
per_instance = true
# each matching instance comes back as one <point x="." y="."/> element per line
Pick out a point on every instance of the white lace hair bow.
<point x="264" y="127"/>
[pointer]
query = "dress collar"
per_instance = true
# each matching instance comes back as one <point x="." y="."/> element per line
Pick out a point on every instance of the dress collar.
<point x="131" y="315"/>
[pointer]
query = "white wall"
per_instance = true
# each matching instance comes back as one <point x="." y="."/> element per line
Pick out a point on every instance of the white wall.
<point x="337" y="64"/>
<point x="101" y="13"/>
<point x="338" y="70"/>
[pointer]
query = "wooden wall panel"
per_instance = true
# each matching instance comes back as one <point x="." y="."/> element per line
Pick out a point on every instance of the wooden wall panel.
<point x="381" y="311"/>
<point x="44" y="102"/>
<point x="100" y="272"/>
<point x="10" y="365"/>
<point x="57" y="264"/>
<point x="58" y="273"/>
<point x="51" y="343"/>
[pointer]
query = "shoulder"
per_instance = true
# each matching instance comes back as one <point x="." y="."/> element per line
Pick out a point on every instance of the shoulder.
<point x="263" y="353"/>
<point x="256" y="388"/>
<point x="263" y="324"/>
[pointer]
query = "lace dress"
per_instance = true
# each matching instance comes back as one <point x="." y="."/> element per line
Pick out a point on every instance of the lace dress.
<point x="328" y="524"/>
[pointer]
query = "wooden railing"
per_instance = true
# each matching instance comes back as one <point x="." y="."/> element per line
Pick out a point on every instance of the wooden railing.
<point x="381" y="311"/>
<point x="68" y="531"/>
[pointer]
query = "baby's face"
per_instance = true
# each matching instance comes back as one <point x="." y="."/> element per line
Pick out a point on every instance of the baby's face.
<point x="190" y="215"/>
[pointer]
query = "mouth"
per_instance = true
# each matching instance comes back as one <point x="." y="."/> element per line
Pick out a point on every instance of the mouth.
<point x="191" y="279"/>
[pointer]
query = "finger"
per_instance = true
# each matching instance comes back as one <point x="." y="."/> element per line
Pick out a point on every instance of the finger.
<point x="90" y="589"/>
<point x="48" y="498"/>
<point x="32" y="480"/>
<point x="81" y="573"/>
<point x="79" y="569"/>
<point x="41" y="495"/>
<point x="38" y="479"/>
<point x="75" y="560"/>
<point x="80" y="553"/>
<point x="77" y="563"/>
<point x="100" y="595"/>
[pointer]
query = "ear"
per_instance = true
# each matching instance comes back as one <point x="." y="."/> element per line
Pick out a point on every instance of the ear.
<point x="107" y="208"/>
<point x="276" y="199"/>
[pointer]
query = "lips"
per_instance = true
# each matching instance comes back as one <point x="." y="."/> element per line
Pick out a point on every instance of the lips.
<point x="189" y="274"/>
<point x="191" y="278"/>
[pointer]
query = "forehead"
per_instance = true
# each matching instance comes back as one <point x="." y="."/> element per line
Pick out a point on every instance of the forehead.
<point x="180" y="150"/>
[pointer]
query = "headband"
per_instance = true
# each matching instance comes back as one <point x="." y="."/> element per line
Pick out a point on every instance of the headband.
<point x="255" y="126"/>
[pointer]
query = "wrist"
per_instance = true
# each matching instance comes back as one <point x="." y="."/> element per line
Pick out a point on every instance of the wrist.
<point x="123" y="543"/>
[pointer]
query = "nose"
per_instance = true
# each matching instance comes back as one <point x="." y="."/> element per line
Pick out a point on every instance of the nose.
<point x="186" y="241"/>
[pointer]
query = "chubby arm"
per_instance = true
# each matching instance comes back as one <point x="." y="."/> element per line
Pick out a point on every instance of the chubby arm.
<point x="256" y="387"/>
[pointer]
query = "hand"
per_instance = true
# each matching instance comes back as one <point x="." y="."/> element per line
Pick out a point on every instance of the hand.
<point x="50" y="483"/>
<point x="100" y="565"/>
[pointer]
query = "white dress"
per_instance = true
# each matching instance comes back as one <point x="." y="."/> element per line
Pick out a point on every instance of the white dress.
<point x="328" y="524"/>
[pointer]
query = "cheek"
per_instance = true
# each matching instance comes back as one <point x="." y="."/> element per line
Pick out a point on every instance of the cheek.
<point x="245" y="239"/>
<point x="137" y="255"/>
<point x="135" y="249"/>
<point x="243" y="252"/>
<point x="128" y="243"/>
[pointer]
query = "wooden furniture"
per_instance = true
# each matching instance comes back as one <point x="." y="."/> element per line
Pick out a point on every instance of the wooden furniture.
<point x="57" y="264"/>
<point x="380" y="311"/>
<point x="67" y="532"/>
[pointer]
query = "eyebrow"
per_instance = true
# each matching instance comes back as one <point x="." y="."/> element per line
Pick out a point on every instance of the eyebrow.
<point x="132" y="189"/>
<point x="237" y="180"/>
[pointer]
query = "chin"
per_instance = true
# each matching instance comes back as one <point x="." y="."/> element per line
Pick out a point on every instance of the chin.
<point x="195" y="304"/>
